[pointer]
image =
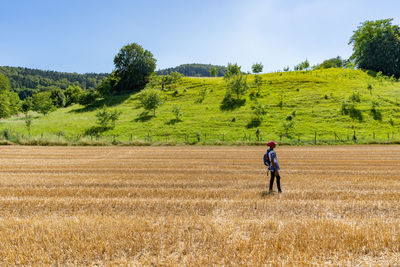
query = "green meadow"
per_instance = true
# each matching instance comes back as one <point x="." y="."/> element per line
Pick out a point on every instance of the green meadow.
<point x="310" y="102"/>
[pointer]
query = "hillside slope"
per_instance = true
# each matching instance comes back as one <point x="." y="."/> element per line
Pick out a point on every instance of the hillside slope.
<point x="311" y="102"/>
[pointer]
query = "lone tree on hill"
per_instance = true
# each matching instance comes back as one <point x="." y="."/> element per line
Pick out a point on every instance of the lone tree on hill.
<point x="150" y="100"/>
<point x="237" y="85"/>
<point x="232" y="70"/>
<point x="257" y="67"/>
<point x="133" y="67"/>
<point x="376" y="46"/>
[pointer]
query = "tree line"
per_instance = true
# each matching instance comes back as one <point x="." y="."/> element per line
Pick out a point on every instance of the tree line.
<point x="26" y="81"/>
<point x="195" y="70"/>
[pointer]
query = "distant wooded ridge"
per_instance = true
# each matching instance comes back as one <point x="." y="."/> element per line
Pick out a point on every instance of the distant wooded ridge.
<point x="194" y="70"/>
<point x="25" y="81"/>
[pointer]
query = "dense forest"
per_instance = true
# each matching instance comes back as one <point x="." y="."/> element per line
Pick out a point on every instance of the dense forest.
<point x="25" y="81"/>
<point x="194" y="70"/>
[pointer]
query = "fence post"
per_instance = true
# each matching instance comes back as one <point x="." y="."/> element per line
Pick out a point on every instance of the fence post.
<point x="373" y="135"/>
<point x="315" y="137"/>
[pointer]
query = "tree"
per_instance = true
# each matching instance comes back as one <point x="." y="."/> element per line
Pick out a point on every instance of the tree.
<point x="10" y="103"/>
<point x="376" y="46"/>
<point x="237" y="85"/>
<point x="133" y="66"/>
<point x="43" y="103"/>
<point x="302" y="65"/>
<point x="4" y="83"/>
<point x="4" y="105"/>
<point x="27" y="105"/>
<point x="15" y="103"/>
<point x="231" y="70"/>
<point x="213" y="71"/>
<point x="150" y="100"/>
<point x="336" y="62"/>
<point x="72" y="94"/>
<point x="257" y="67"/>
<point x="108" y="86"/>
<point x="58" y="97"/>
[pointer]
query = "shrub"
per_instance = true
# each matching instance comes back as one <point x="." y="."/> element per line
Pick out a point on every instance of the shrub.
<point x="88" y="97"/>
<point x="254" y="122"/>
<point x="72" y="94"/>
<point x="107" y="118"/>
<point x="355" y="113"/>
<point x="230" y="103"/>
<point x="355" y="97"/>
<point x="202" y="95"/>
<point x="177" y="112"/>
<point x="391" y="121"/>
<point x="376" y="113"/>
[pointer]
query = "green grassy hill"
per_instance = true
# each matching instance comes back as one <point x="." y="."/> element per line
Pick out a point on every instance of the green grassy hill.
<point x="312" y="99"/>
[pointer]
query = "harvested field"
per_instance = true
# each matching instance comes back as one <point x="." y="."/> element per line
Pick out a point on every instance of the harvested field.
<point x="199" y="206"/>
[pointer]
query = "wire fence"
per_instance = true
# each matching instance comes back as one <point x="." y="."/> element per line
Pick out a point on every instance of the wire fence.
<point x="311" y="137"/>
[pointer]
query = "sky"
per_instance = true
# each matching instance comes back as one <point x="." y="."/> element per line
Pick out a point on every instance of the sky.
<point x="84" y="36"/>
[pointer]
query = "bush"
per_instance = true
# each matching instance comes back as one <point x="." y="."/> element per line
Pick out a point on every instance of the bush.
<point x="355" y="113"/>
<point x="202" y="95"/>
<point x="391" y="121"/>
<point x="254" y="122"/>
<point x="107" y="118"/>
<point x="88" y="97"/>
<point x="376" y="114"/>
<point x="355" y="97"/>
<point x="72" y="94"/>
<point x="230" y="103"/>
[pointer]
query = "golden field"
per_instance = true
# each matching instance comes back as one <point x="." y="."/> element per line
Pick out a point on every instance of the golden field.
<point x="194" y="206"/>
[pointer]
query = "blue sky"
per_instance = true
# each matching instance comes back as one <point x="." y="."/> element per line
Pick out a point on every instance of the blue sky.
<point x="84" y="35"/>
